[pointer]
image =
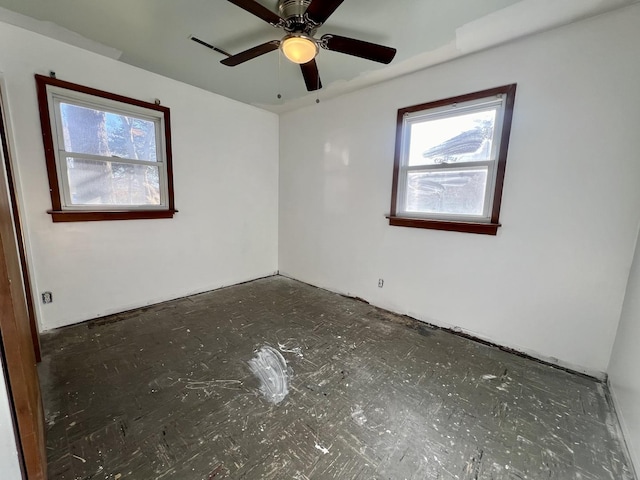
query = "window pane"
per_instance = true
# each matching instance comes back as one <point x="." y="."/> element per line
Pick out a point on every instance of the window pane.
<point x="460" y="138"/>
<point x="459" y="192"/>
<point x="93" y="182"/>
<point x="97" y="132"/>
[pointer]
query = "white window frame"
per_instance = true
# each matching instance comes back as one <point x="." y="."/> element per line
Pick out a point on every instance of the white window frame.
<point x="501" y="100"/>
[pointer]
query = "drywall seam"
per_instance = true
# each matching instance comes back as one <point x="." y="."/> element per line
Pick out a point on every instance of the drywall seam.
<point x="488" y="32"/>
<point x="56" y="32"/>
<point x="519" y="20"/>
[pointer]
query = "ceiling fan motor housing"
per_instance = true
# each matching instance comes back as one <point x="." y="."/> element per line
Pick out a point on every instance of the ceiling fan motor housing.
<point x="292" y="8"/>
<point x="292" y="11"/>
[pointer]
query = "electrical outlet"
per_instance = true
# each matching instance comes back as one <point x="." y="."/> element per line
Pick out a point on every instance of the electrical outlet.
<point x="47" y="297"/>
<point x="380" y="283"/>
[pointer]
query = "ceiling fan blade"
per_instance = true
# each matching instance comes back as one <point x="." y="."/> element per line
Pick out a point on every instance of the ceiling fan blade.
<point x="311" y="76"/>
<point x="358" y="48"/>
<point x="320" y="10"/>
<point x="258" y="10"/>
<point x="254" y="52"/>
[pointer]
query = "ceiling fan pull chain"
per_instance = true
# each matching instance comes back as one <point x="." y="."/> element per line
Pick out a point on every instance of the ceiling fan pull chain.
<point x="279" y="77"/>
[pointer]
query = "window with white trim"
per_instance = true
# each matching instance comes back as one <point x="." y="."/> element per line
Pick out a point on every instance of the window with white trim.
<point x="108" y="156"/>
<point x="450" y="162"/>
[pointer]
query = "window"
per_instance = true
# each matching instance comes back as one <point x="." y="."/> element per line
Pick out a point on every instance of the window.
<point x="108" y="156"/>
<point x="450" y="161"/>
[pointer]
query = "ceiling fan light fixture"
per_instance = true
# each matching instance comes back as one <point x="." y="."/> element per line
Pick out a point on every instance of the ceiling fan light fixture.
<point x="299" y="48"/>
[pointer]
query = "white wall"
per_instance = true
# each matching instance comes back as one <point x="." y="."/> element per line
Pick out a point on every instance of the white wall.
<point x="225" y="158"/>
<point x="624" y="369"/>
<point x="552" y="282"/>
<point x="9" y="462"/>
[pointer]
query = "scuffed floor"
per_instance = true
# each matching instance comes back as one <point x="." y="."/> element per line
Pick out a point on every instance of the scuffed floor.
<point x="167" y="392"/>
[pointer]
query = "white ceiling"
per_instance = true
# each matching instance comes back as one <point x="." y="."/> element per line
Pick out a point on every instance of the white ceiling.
<point x="154" y="35"/>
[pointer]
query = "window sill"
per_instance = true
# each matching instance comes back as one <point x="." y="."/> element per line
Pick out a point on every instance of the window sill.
<point x="94" y="216"/>
<point x="467" y="227"/>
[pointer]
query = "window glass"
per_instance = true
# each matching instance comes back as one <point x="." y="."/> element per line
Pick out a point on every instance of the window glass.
<point x="458" y="192"/>
<point x="96" y="182"/>
<point x="460" y="138"/>
<point x="97" y="132"/>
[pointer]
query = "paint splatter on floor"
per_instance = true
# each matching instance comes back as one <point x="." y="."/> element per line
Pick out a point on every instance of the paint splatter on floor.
<point x="290" y="346"/>
<point x="322" y="449"/>
<point x="270" y="368"/>
<point x="358" y="416"/>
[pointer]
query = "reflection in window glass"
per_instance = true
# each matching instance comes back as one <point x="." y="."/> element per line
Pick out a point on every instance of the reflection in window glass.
<point x="453" y="139"/>
<point x="452" y="192"/>
<point x="96" y="132"/>
<point x="96" y="182"/>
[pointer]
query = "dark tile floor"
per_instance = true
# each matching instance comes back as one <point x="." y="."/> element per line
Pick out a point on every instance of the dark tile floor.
<point x="167" y="392"/>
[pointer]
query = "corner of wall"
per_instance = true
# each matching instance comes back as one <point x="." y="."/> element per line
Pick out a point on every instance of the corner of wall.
<point x="624" y="432"/>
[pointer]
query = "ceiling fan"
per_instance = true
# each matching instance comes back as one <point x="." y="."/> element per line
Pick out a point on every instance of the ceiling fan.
<point x="300" y="19"/>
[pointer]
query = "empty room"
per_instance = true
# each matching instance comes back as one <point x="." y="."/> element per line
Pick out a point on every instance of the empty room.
<point x="320" y="239"/>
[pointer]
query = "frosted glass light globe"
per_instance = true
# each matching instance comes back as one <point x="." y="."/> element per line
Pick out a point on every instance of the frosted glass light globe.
<point x="299" y="48"/>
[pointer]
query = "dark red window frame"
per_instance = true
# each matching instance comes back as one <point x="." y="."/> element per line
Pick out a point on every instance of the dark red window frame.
<point x="486" y="228"/>
<point x="58" y="214"/>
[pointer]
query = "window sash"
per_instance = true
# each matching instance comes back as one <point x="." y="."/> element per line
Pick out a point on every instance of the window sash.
<point x="488" y="193"/>
<point x="136" y="112"/>
<point x="445" y="111"/>
<point x="61" y="163"/>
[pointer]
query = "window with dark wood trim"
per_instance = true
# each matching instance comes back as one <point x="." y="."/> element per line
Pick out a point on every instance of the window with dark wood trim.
<point x="108" y="156"/>
<point x="450" y="161"/>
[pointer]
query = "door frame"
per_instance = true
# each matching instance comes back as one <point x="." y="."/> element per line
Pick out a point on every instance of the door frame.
<point x="16" y="332"/>
<point x="5" y="133"/>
